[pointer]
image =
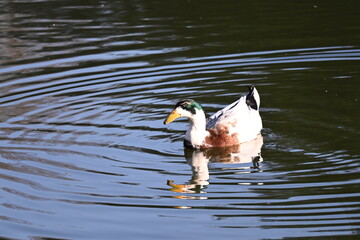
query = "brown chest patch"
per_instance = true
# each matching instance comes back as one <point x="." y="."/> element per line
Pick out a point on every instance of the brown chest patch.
<point x="221" y="137"/>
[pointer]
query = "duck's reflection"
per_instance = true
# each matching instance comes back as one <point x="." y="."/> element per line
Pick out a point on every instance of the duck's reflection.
<point x="200" y="173"/>
<point x="248" y="152"/>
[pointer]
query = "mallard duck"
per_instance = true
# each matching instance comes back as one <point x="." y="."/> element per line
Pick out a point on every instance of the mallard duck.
<point x="237" y="123"/>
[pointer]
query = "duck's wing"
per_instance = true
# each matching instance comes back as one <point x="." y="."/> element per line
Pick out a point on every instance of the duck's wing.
<point x="235" y="111"/>
<point x="220" y="115"/>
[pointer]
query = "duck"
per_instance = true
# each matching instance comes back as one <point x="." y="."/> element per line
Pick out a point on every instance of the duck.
<point x="237" y="123"/>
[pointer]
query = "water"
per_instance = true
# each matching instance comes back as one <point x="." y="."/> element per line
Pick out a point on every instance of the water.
<point x="85" y="87"/>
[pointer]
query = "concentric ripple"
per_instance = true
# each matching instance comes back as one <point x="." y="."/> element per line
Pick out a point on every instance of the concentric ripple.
<point x="84" y="151"/>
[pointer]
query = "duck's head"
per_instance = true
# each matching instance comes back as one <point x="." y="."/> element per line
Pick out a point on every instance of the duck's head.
<point x="185" y="108"/>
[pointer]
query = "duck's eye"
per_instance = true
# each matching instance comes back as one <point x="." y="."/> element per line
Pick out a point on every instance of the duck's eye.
<point x="187" y="106"/>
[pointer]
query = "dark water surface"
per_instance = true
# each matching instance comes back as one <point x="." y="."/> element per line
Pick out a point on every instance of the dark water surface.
<point x="85" y="87"/>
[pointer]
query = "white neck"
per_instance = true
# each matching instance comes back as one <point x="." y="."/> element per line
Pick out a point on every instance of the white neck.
<point x="196" y="132"/>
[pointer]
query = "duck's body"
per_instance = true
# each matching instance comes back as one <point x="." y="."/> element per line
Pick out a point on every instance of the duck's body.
<point x="237" y="123"/>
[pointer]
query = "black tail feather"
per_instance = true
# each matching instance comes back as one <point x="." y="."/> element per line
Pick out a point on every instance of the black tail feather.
<point x="250" y="100"/>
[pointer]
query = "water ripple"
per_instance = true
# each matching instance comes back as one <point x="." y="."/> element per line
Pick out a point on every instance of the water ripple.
<point x="85" y="130"/>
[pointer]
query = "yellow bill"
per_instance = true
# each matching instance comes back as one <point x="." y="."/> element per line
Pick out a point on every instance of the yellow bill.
<point x="172" y="116"/>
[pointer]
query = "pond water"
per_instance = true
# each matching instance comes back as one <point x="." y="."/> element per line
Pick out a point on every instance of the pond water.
<point x="86" y="85"/>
